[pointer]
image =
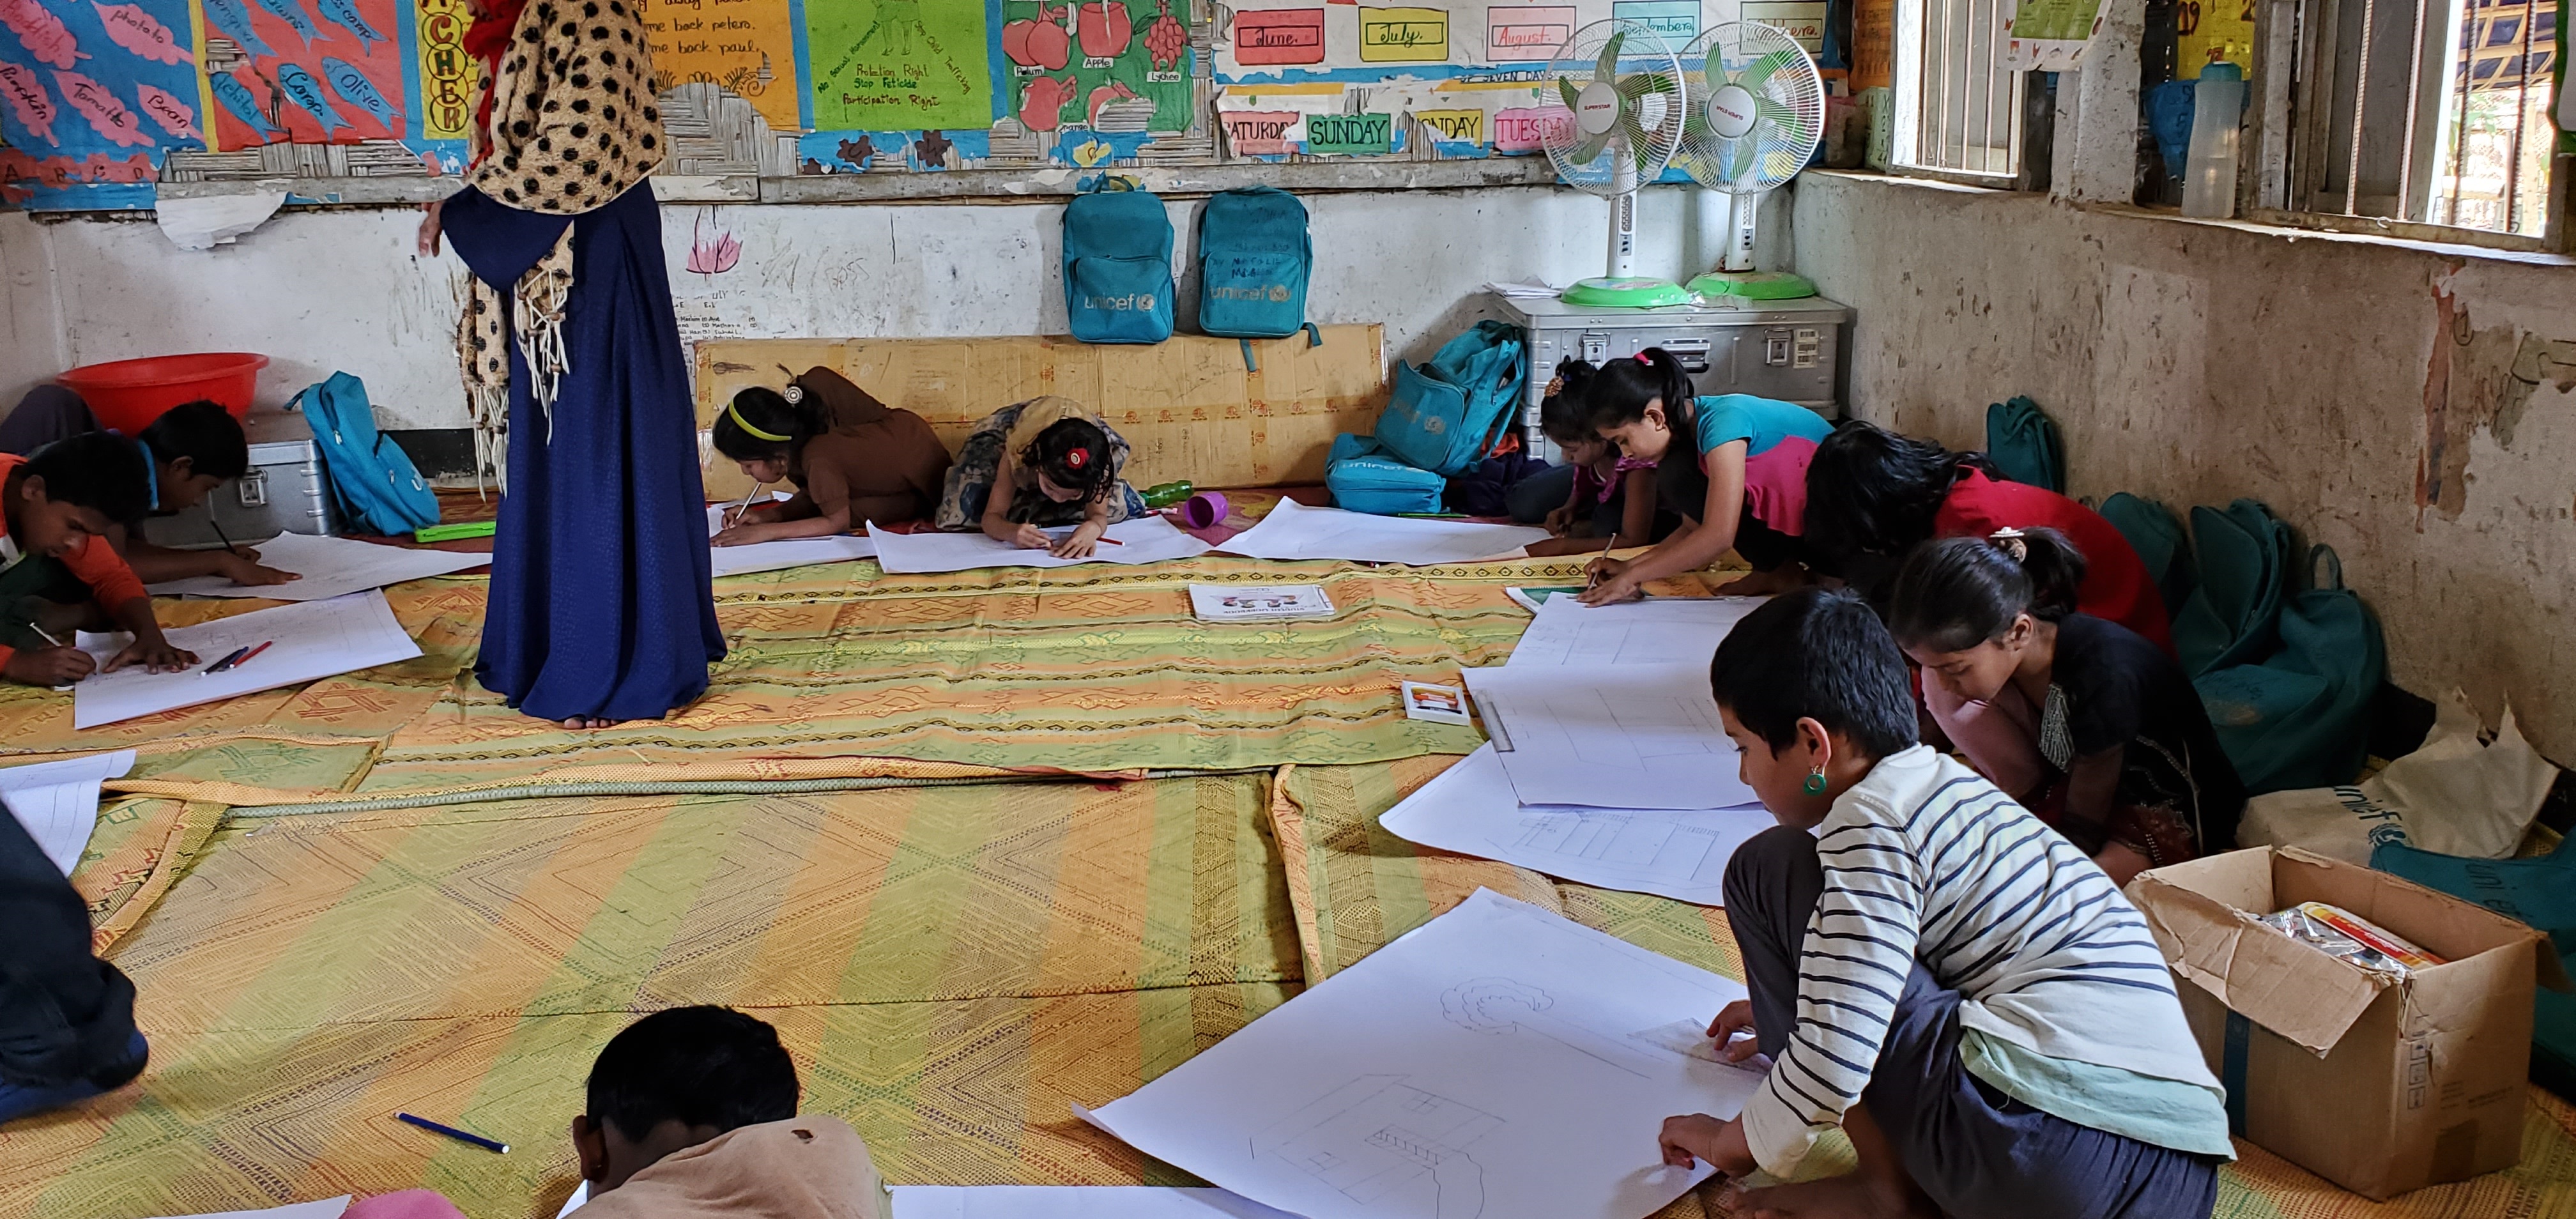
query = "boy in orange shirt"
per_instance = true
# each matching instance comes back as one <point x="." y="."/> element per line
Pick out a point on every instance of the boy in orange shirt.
<point x="58" y="573"/>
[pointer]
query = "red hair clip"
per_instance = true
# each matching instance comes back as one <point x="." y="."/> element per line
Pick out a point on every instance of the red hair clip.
<point x="1075" y="459"/>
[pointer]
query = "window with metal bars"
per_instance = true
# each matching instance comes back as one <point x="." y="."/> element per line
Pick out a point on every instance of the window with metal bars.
<point x="1961" y="114"/>
<point x="2425" y="118"/>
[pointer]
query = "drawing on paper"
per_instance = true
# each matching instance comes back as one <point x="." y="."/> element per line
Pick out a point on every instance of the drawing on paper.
<point x="1499" y="1007"/>
<point x="1378" y="1135"/>
<point x="1650" y="847"/>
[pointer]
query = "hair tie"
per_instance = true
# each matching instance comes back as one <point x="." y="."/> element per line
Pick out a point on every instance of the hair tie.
<point x="794" y="393"/>
<point x="1555" y="386"/>
<point x="1075" y="459"/>
<point x="733" y="411"/>
<point x="2009" y="541"/>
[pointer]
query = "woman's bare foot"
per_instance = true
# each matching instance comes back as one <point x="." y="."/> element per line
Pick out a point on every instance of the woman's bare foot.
<point x="1856" y="1196"/>
<point x="589" y="721"/>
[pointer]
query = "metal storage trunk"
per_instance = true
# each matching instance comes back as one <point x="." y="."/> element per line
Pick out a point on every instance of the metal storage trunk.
<point x="1790" y="350"/>
<point x="285" y="491"/>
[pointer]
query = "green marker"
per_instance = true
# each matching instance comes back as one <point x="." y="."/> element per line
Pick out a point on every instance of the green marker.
<point x="450" y="533"/>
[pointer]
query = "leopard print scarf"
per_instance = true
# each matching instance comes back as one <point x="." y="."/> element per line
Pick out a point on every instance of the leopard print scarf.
<point x="573" y="126"/>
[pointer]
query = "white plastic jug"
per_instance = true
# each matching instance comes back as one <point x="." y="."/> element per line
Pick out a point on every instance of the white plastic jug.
<point x="2209" y="174"/>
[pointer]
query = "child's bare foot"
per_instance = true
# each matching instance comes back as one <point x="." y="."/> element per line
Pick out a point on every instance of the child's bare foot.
<point x="1855" y="1196"/>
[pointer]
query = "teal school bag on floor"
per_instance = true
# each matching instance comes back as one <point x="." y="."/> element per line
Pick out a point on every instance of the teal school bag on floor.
<point x="1118" y="266"/>
<point x="2245" y="555"/>
<point x="2539" y="891"/>
<point x="379" y="490"/>
<point x="1364" y="478"/>
<point x="1254" y="260"/>
<point x="2024" y="444"/>
<point x="1445" y="415"/>
<point x="2300" y="717"/>
<point x="2160" y="542"/>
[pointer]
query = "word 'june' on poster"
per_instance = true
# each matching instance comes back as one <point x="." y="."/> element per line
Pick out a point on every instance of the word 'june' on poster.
<point x="899" y="65"/>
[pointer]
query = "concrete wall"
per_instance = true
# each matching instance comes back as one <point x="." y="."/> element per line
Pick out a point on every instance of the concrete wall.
<point x="325" y="290"/>
<point x="2363" y="389"/>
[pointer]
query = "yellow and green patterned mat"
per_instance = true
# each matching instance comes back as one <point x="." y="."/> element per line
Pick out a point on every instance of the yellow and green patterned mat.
<point x="385" y="892"/>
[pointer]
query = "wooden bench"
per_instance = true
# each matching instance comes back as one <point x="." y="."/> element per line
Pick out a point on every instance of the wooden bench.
<point x="1188" y="406"/>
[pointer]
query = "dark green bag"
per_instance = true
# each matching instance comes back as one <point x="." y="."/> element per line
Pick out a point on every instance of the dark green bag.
<point x="2229" y="619"/>
<point x="2541" y="892"/>
<point x="2300" y="716"/>
<point x="2160" y="542"/>
<point x="2025" y="446"/>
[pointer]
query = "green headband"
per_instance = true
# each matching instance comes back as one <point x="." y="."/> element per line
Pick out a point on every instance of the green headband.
<point x="734" y="413"/>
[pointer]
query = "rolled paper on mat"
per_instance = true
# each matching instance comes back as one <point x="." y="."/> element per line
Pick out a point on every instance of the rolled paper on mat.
<point x="1204" y="509"/>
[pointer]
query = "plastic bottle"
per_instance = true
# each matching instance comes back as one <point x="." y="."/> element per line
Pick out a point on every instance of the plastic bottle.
<point x="2209" y="175"/>
<point x="1164" y="495"/>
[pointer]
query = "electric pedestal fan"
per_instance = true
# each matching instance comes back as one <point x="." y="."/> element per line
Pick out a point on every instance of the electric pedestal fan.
<point x="1757" y="110"/>
<point x="1621" y="89"/>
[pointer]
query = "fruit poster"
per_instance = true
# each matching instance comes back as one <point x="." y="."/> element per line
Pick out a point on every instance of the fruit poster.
<point x="1101" y="68"/>
<point x="900" y="65"/>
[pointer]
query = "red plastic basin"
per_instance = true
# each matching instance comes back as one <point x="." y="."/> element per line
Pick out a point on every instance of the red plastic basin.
<point x="128" y="395"/>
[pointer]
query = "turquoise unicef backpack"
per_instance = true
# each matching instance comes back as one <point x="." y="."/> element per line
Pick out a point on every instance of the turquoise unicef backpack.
<point x="1445" y="415"/>
<point x="379" y="490"/>
<point x="1254" y="260"/>
<point x="1118" y="266"/>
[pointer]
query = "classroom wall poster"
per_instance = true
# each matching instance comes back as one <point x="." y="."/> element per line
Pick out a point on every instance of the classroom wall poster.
<point x="900" y="65"/>
<point x="747" y="46"/>
<point x="331" y="73"/>
<point x="91" y="97"/>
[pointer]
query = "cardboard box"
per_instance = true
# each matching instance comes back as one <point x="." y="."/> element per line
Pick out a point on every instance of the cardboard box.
<point x="2377" y="1086"/>
<point x="1187" y="406"/>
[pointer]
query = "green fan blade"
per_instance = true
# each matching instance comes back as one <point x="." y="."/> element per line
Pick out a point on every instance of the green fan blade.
<point x="1587" y="150"/>
<point x="1643" y="83"/>
<point x="1606" y="68"/>
<point x="1566" y="89"/>
<point x="1761" y="69"/>
<point x="1790" y="123"/>
<point x="1640" y="141"/>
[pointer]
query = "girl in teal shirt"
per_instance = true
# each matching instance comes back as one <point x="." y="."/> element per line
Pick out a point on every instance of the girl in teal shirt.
<point x="1739" y="485"/>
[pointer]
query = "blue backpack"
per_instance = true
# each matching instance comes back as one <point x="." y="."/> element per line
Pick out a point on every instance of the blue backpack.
<point x="379" y="490"/>
<point x="1444" y="416"/>
<point x="1363" y="478"/>
<point x="1254" y="260"/>
<point x="1118" y="266"/>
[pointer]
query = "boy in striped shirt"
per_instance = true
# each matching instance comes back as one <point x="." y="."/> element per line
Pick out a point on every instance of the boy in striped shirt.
<point x="1932" y="969"/>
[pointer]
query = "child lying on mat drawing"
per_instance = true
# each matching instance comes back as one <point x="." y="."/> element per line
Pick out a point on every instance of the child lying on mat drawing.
<point x="853" y="459"/>
<point x="58" y="573"/>
<point x="1931" y="968"/>
<point x="1047" y="461"/>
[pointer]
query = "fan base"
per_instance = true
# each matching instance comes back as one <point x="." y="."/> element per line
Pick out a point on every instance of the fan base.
<point x="1625" y="292"/>
<point x="1753" y="285"/>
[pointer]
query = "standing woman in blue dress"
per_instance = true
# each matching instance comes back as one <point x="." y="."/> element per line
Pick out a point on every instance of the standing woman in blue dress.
<point x="601" y="609"/>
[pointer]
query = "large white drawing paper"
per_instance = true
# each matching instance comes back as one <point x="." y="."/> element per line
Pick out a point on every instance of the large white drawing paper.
<point x="327" y="1208"/>
<point x="1498" y="1062"/>
<point x="1073" y="1202"/>
<point x="310" y="641"/>
<point x="1147" y="539"/>
<point x="780" y="555"/>
<point x="57" y="802"/>
<point x="331" y="567"/>
<point x="1681" y="631"/>
<point x="1295" y="531"/>
<point x="1610" y="736"/>
<point x="1676" y="853"/>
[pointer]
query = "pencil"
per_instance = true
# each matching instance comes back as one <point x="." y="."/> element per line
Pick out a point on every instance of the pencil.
<point x="1592" y="578"/>
<point x="739" y="509"/>
<point x="42" y="633"/>
<point x="220" y="535"/>
<point x="491" y="1145"/>
<point x="254" y="652"/>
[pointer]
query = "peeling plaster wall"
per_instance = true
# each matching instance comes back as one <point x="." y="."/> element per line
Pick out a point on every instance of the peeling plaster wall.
<point x="324" y="290"/>
<point x="2409" y="407"/>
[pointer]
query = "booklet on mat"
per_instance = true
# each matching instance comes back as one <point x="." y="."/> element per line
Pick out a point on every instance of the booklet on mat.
<point x="330" y="567"/>
<point x="1254" y="603"/>
<point x="307" y="642"/>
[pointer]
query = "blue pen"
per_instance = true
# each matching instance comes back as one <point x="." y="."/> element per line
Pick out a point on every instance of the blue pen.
<point x="220" y="665"/>
<point x="452" y="1132"/>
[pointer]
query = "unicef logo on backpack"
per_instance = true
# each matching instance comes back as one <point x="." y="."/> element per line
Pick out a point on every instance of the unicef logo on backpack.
<point x="1130" y="302"/>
